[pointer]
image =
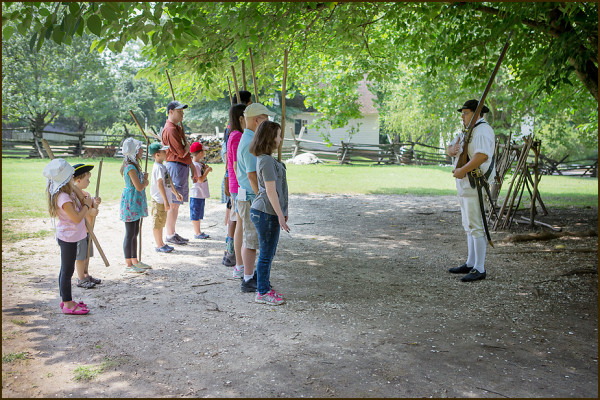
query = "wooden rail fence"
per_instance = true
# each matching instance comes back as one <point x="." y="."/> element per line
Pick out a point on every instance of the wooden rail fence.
<point x="63" y="144"/>
<point x="407" y="153"/>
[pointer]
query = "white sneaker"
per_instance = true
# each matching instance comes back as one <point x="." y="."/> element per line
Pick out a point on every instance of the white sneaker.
<point x="238" y="273"/>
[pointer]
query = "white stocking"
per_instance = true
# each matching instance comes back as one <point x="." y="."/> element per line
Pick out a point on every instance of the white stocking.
<point x="480" y="245"/>
<point x="471" y="256"/>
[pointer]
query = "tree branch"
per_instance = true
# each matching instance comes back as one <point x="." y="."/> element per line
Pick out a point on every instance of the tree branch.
<point x="371" y="22"/>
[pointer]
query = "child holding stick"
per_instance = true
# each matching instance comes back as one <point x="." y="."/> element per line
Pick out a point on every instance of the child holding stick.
<point x="160" y="195"/>
<point x="199" y="191"/>
<point x="269" y="210"/>
<point x="81" y="178"/>
<point x="70" y="229"/>
<point x="133" y="202"/>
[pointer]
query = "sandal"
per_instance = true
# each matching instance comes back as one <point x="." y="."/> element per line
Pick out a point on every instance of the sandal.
<point x="85" y="283"/>
<point x="62" y="304"/>
<point x="95" y="280"/>
<point x="77" y="310"/>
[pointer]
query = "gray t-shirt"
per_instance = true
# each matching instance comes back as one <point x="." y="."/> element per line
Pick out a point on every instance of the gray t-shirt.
<point x="269" y="169"/>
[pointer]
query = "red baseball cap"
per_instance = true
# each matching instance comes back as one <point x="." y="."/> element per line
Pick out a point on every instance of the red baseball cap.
<point x="196" y="146"/>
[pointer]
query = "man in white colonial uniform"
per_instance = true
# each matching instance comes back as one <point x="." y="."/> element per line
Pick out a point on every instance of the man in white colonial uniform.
<point x="480" y="151"/>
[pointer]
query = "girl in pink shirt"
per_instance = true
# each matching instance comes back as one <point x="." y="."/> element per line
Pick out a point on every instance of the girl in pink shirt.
<point x="64" y="204"/>
<point x="237" y="124"/>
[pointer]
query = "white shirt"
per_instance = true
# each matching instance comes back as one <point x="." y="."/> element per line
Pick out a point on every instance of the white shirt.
<point x="159" y="171"/>
<point x="199" y="190"/>
<point x="482" y="141"/>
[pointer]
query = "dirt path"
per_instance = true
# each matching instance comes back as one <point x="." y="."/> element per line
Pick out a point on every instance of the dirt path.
<point x="371" y="312"/>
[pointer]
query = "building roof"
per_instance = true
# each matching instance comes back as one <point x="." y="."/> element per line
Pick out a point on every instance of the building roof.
<point x="365" y="98"/>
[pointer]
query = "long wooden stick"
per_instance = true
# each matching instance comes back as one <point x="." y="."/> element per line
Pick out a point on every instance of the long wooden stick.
<point x="244" y="75"/>
<point x="89" y="247"/>
<point x="285" y="61"/>
<point x="462" y="158"/>
<point x="536" y="150"/>
<point x="230" y="97"/>
<point x="253" y="76"/>
<point x="89" y="228"/>
<point x="183" y="140"/>
<point x="99" y="175"/>
<point x="145" y="171"/>
<point x="237" y="90"/>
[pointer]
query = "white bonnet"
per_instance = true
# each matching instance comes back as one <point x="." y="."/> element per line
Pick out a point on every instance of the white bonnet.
<point x="58" y="173"/>
<point x="130" y="148"/>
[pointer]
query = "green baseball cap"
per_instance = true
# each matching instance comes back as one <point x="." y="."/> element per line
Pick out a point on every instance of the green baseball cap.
<point x="156" y="146"/>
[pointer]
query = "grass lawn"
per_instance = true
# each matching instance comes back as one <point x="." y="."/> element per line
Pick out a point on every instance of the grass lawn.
<point x="23" y="185"/>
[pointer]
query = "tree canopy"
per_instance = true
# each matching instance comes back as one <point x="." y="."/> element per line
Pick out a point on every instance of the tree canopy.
<point x="333" y="45"/>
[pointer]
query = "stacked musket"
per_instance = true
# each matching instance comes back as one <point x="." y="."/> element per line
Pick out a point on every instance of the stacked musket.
<point x="522" y="178"/>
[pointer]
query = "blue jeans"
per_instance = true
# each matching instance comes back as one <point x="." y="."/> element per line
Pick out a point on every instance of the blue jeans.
<point x="267" y="227"/>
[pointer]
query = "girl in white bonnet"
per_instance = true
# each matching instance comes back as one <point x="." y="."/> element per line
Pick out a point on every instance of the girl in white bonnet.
<point x="63" y="203"/>
<point x="133" y="202"/>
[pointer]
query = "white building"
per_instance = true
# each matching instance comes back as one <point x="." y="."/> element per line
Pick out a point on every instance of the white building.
<point x="366" y="129"/>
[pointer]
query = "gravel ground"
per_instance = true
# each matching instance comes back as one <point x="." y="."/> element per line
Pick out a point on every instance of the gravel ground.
<point x="370" y="312"/>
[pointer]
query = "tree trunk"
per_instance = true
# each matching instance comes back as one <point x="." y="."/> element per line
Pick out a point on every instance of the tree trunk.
<point x="127" y="134"/>
<point x="37" y="128"/>
<point x="588" y="75"/>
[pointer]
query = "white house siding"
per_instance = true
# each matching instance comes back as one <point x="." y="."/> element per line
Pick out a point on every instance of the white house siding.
<point x="368" y="131"/>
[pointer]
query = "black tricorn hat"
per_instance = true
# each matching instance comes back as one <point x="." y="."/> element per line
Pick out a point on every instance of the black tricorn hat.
<point x="472" y="105"/>
<point x="81" y="169"/>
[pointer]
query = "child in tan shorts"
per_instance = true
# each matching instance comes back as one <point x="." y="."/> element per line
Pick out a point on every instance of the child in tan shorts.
<point x="160" y="192"/>
<point x="81" y="178"/>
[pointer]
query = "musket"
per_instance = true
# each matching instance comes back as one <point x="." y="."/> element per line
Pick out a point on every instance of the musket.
<point x="253" y="76"/>
<point x="183" y="139"/>
<point x="462" y="158"/>
<point x="145" y="171"/>
<point x="285" y="61"/>
<point x="87" y="259"/>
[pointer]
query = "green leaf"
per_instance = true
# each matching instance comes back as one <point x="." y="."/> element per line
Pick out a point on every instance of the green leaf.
<point x="40" y="42"/>
<point x="158" y="10"/>
<point x="93" y="45"/>
<point x="43" y="12"/>
<point x="94" y="24"/>
<point x="196" y="30"/>
<point x="7" y="32"/>
<point x="32" y="41"/>
<point x="108" y="13"/>
<point x="48" y="32"/>
<point x="74" y="8"/>
<point x="77" y="24"/>
<point x="22" y="29"/>
<point x="58" y="36"/>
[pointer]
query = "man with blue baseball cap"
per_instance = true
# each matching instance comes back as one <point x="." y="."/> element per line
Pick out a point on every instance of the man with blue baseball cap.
<point x="178" y="165"/>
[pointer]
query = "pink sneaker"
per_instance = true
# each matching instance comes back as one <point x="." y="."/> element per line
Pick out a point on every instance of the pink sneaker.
<point x="271" y="297"/>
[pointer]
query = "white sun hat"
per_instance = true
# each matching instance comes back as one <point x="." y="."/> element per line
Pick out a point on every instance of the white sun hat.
<point x="58" y="173"/>
<point x="130" y="148"/>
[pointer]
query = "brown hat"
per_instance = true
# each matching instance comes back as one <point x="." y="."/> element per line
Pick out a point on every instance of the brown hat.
<point x="472" y="105"/>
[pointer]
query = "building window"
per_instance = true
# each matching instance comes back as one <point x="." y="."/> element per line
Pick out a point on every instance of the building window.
<point x="298" y="124"/>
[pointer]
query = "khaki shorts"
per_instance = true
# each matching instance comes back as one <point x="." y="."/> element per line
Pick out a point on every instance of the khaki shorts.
<point x="158" y="213"/>
<point x="250" y="237"/>
<point x="82" y="246"/>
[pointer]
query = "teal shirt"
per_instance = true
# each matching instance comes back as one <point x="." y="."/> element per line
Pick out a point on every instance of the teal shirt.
<point x="246" y="162"/>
